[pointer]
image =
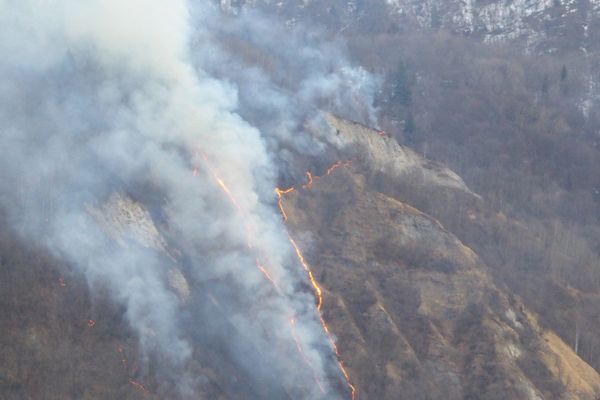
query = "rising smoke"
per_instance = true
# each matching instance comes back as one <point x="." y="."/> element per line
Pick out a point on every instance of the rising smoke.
<point x="130" y="96"/>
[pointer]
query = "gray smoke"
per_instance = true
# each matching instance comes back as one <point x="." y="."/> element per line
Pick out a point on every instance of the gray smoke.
<point x="130" y="96"/>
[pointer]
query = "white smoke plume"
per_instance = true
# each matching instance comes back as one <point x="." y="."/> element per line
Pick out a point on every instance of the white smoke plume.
<point x="129" y="96"/>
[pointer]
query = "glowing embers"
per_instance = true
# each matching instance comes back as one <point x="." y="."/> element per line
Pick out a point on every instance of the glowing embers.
<point x="310" y="180"/>
<point x="316" y="288"/>
<point x="336" y="165"/>
<point x="137" y="385"/>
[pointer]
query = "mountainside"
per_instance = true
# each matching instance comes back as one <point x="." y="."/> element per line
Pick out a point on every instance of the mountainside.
<point x="563" y="31"/>
<point x="300" y="200"/>
<point x="539" y="24"/>
<point x="415" y="312"/>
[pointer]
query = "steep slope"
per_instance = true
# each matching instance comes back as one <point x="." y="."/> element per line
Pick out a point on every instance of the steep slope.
<point x="384" y="155"/>
<point x="59" y="341"/>
<point x="416" y="312"/>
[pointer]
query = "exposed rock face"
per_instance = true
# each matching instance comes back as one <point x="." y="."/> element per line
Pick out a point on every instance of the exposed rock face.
<point x="384" y="155"/>
<point x="125" y="219"/>
<point x="416" y="312"/>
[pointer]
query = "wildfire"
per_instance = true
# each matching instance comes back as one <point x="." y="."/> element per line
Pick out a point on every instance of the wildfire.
<point x="311" y="277"/>
<point x="267" y="275"/>
<point x="223" y="186"/>
<point x="301" y="351"/>
<point x="221" y="183"/>
<point x="319" y="295"/>
<point x="280" y="193"/>
<point x="139" y="386"/>
<point x="337" y="165"/>
<point x="61" y="282"/>
<point x="91" y="323"/>
<point x="310" y="180"/>
<point x="316" y="288"/>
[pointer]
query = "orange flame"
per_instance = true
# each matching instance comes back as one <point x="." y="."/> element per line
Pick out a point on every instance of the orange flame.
<point x="132" y="381"/>
<point x="301" y="351"/>
<point x="311" y="277"/>
<point x="267" y="275"/>
<point x="318" y="292"/>
<point x="221" y="183"/>
<point x="316" y="288"/>
<point x="310" y="180"/>
<point x="319" y="295"/>
<point x="139" y="386"/>
<point x="337" y="165"/>
<point x="280" y="194"/>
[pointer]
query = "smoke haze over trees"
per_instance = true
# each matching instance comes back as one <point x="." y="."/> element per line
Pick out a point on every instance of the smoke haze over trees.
<point x="187" y="114"/>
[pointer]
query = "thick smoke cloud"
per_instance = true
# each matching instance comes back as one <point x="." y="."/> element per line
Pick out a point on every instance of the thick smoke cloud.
<point x="284" y="75"/>
<point x="103" y="96"/>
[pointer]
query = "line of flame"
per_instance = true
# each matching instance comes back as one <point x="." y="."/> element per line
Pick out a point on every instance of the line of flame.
<point x="301" y="351"/>
<point x="259" y="265"/>
<point x="317" y="289"/>
<point x="280" y="193"/>
<point x="139" y="386"/>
